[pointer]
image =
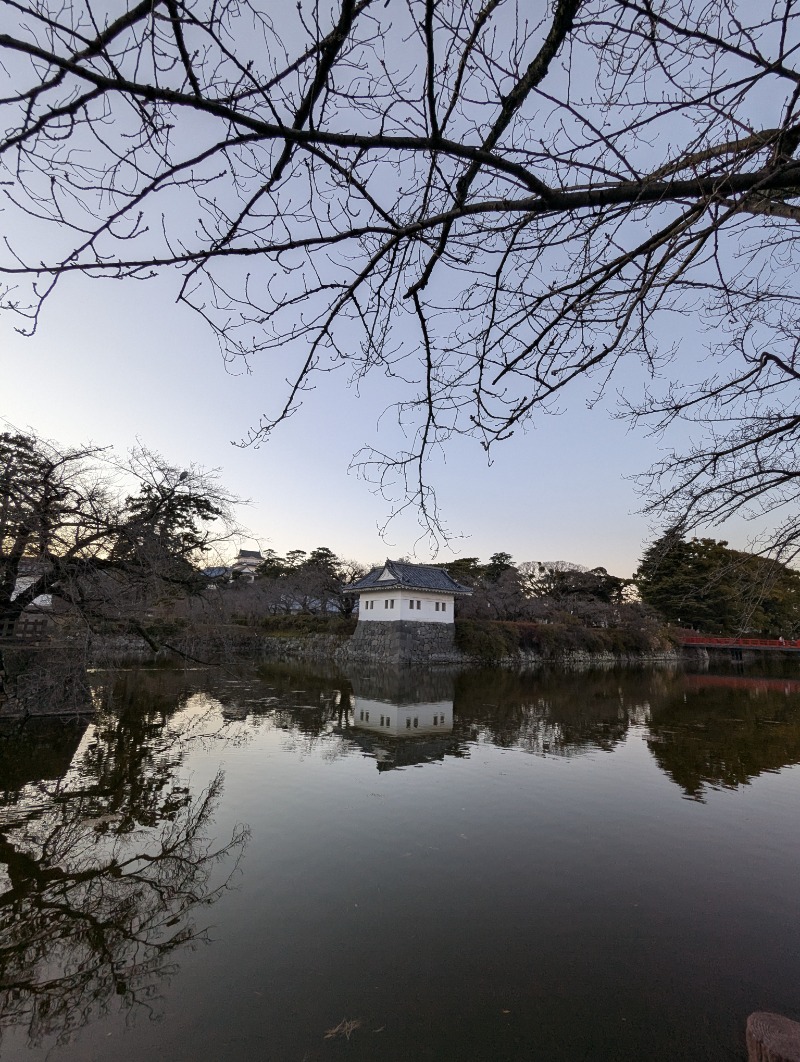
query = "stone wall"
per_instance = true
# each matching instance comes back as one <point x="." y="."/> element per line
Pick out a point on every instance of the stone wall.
<point x="402" y="641"/>
<point x="305" y="647"/>
<point x="580" y="660"/>
<point x="40" y="681"/>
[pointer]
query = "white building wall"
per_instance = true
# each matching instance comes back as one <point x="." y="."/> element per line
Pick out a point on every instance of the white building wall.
<point x="403" y="720"/>
<point x="402" y="610"/>
<point x="23" y="582"/>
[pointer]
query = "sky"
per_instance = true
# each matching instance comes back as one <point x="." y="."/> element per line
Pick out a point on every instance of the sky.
<point x="118" y="363"/>
<point x="113" y="363"/>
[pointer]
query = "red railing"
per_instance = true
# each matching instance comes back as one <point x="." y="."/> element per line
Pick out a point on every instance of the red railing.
<point x="738" y="643"/>
<point x="741" y="682"/>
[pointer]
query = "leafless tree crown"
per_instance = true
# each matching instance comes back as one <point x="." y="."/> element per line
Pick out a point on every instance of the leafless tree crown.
<point x="486" y="200"/>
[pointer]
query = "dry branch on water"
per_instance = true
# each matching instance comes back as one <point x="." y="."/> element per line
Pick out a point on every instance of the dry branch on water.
<point x="346" y="1028"/>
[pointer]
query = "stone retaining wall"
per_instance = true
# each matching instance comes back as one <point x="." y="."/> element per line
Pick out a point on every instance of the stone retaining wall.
<point x="579" y="660"/>
<point x="402" y="641"/>
<point x="308" y="647"/>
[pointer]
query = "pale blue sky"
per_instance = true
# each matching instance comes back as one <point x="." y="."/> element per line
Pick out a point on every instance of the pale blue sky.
<point x="115" y="361"/>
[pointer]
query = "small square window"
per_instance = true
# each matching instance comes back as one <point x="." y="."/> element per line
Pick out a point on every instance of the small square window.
<point x="362" y="717"/>
<point x="367" y="719"/>
<point x="391" y="604"/>
<point x="419" y="604"/>
<point x="408" y="723"/>
<point x="381" y="720"/>
<point x="411" y="604"/>
<point x="416" y="720"/>
<point x="436" y="606"/>
<point x="388" y="721"/>
<point x="436" y="720"/>
<point x="444" y="606"/>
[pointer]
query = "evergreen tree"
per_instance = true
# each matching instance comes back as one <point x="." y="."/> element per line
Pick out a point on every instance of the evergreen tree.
<point x="703" y="583"/>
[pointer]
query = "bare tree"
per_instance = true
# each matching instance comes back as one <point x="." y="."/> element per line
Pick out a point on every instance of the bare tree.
<point x="486" y="203"/>
<point x="71" y="531"/>
<point x="106" y="553"/>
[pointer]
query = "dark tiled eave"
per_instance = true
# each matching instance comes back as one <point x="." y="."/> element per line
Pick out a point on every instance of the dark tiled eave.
<point x="416" y="577"/>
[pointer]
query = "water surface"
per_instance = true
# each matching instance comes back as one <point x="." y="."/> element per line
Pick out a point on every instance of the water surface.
<point x="234" y="866"/>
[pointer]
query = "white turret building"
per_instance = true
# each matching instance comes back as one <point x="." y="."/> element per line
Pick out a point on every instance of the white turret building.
<point x="405" y="611"/>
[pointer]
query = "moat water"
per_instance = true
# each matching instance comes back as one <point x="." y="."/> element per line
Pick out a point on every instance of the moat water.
<point x="295" y="864"/>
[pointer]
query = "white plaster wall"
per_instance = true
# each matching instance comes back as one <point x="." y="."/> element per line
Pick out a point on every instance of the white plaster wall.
<point x="401" y="717"/>
<point x="43" y="600"/>
<point x="426" y="613"/>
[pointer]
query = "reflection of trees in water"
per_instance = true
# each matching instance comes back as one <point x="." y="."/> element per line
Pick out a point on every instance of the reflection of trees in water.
<point x="39" y="748"/>
<point x="311" y="704"/>
<point x="699" y="734"/>
<point x="710" y="736"/>
<point x="551" y="713"/>
<point x="106" y="870"/>
<point x="561" y="714"/>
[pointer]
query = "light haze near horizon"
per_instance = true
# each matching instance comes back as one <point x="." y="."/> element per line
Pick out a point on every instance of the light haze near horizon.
<point x="112" y="363"/>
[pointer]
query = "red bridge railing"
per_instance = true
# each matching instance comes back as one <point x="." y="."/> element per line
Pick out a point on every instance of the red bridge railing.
<point x="737" y="643"/>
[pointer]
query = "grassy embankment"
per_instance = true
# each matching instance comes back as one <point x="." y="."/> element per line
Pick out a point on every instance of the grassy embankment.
<point x="490" y="640"/>
<point x="483" y="640"/>
<point x="495" y="639"/>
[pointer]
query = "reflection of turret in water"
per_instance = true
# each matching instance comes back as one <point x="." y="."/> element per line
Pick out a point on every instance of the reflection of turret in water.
<point x="406" y="686"/>
<point x="393" y="748"/>
<point x="403" y="720"/>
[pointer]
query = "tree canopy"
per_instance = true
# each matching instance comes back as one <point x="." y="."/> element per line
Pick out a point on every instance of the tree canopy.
<point x="702" y="583"/>
<point x="69" y="529"/>
<point x="487" y="207"/>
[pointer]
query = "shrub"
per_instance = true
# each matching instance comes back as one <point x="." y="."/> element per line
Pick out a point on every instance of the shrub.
<point x="299" y="623"/>
<point x="492" y="640"/>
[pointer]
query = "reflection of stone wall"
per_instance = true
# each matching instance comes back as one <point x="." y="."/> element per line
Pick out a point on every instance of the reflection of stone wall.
<point x="37" y="749"/>
<point x="402" y="641"/>
<point x="402" y="686"/>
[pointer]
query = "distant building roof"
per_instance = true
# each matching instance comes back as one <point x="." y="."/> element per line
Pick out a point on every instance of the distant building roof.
<point x="216" y="573"/>
<point x="405" y="576"/>
<point x="249" y="554"/>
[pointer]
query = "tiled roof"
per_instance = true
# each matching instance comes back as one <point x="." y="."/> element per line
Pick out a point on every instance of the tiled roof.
<point x="215" y="573"/>
<point x="409" y="577"/>
<point x="247" y="554"/>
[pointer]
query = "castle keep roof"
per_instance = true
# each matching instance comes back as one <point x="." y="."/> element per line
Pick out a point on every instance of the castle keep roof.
<point x="405" y="576"/>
